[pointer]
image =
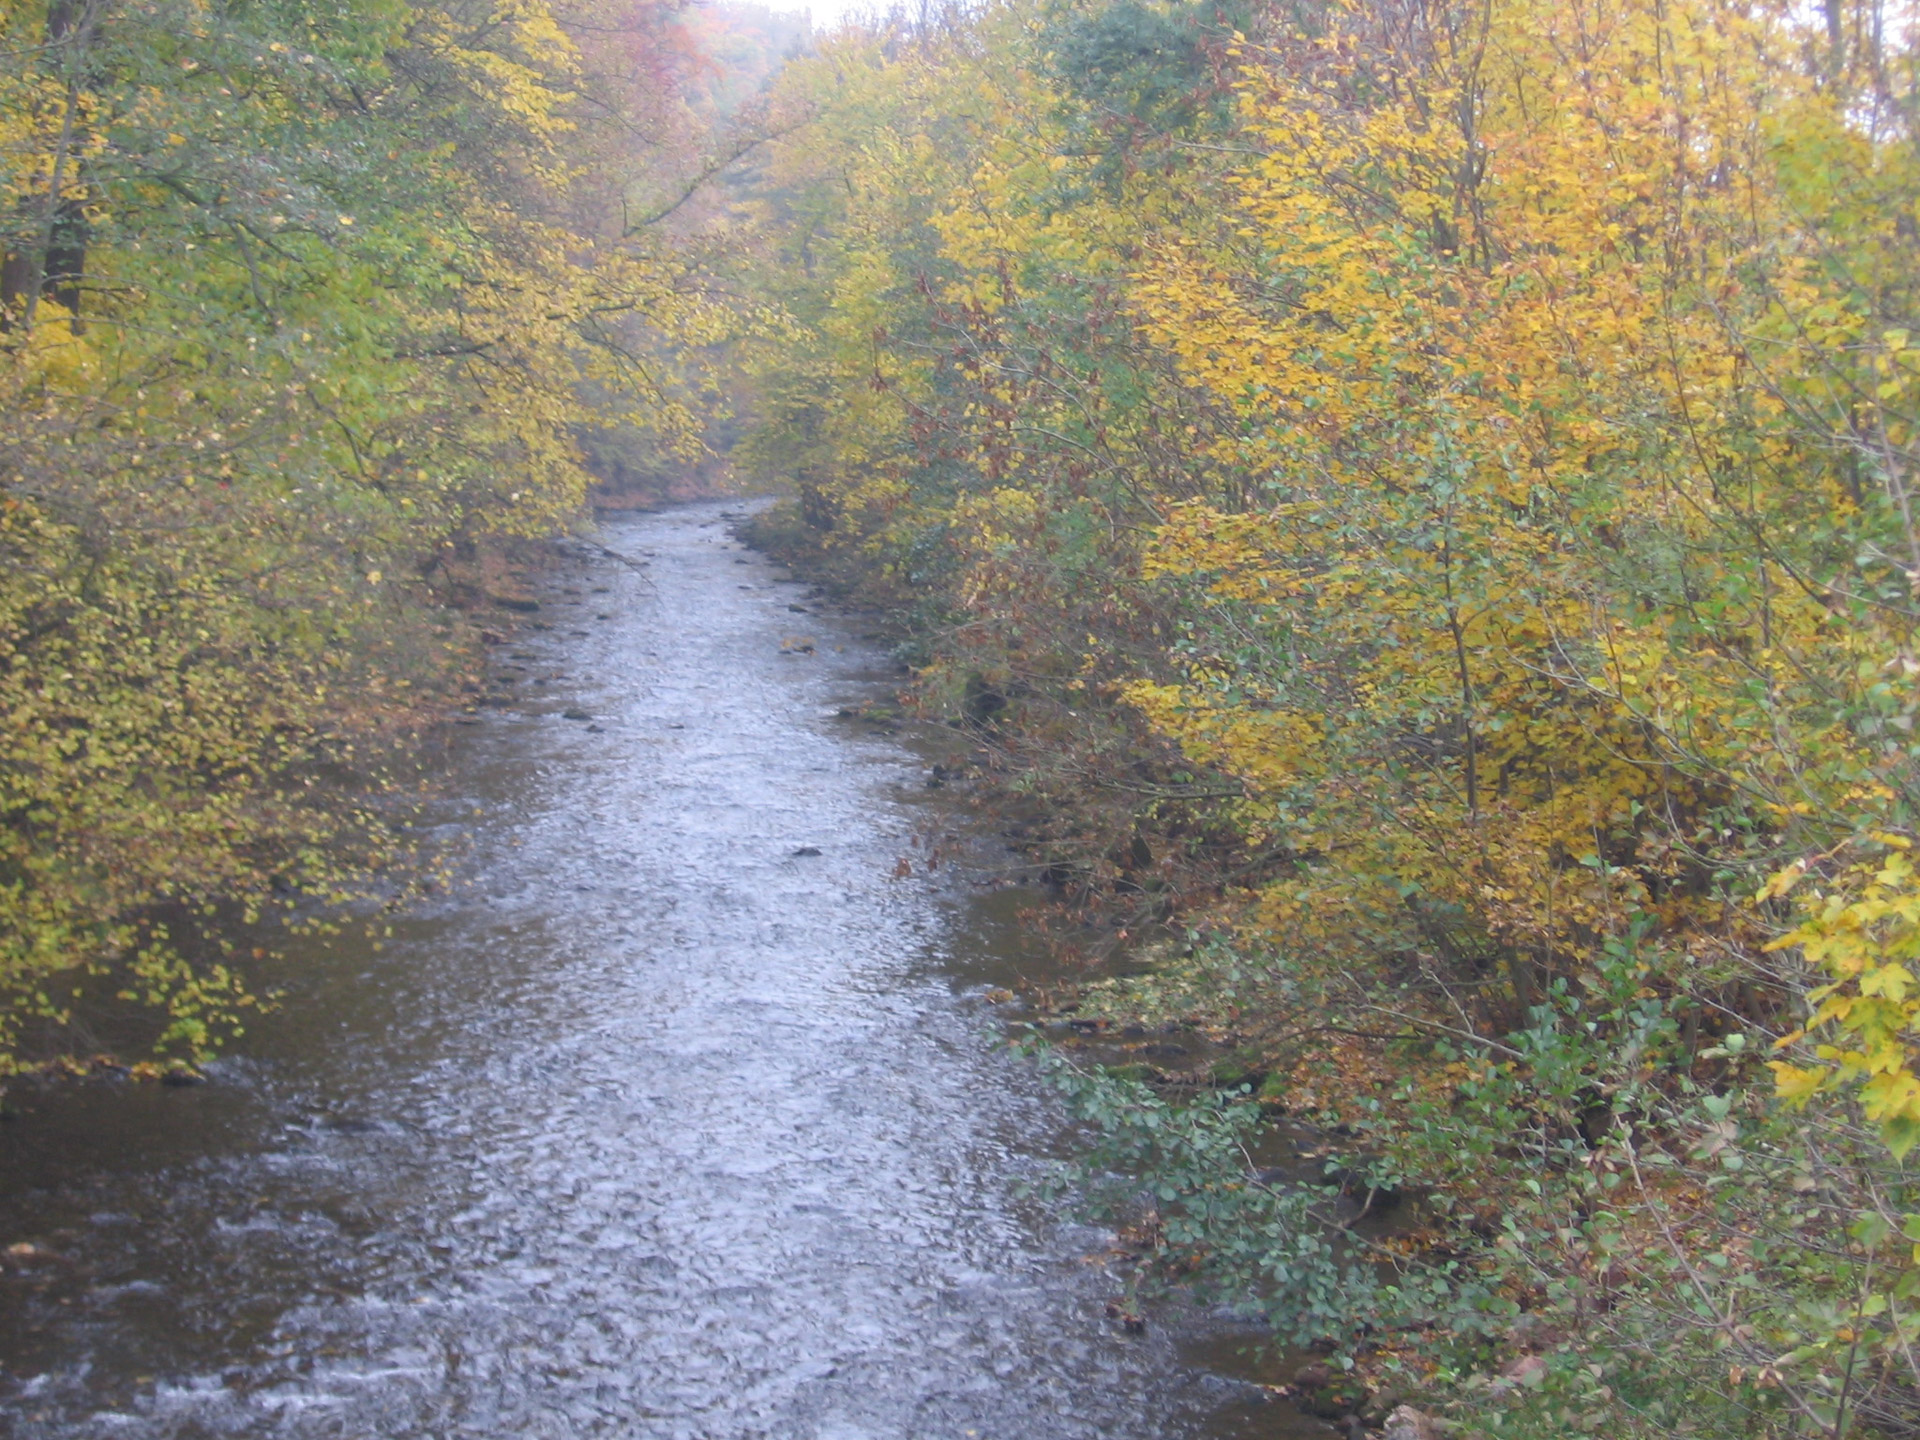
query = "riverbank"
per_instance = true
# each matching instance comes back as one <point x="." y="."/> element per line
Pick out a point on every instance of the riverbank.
<point x="1489" y="1225"/>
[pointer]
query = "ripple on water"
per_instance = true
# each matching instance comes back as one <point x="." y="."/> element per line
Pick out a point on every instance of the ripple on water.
<point x="652" y="1130"/>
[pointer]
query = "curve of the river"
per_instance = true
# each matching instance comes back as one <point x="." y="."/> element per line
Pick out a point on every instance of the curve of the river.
<point x="656" y="1127"/>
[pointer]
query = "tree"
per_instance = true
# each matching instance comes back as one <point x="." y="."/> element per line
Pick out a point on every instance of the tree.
<point x="352" y="295"/>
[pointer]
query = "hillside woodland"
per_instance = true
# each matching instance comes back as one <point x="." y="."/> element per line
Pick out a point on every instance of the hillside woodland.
<point x="306" y="313"/>
<point x="1418" y="497"/>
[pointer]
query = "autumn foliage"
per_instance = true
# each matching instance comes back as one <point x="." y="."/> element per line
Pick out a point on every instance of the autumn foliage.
<point x="305" y="310"/>
<point x="1426" y="490"/>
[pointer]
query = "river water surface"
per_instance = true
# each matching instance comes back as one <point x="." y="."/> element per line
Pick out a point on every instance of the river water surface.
<point x="656" y="1126"/>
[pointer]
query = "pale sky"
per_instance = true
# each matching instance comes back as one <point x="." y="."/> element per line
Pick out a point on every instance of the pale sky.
<point x="826" y="13"/>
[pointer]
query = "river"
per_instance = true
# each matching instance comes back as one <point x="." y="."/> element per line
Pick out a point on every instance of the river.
<point x="679" y="1118"/>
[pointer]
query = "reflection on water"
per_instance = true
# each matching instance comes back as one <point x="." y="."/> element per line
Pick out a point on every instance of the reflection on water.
<point x="656" y="1128"/>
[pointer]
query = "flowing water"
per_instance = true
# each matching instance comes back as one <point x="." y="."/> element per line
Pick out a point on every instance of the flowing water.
<point x="681" y="1117"/>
